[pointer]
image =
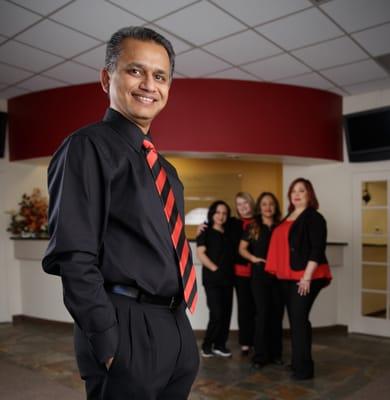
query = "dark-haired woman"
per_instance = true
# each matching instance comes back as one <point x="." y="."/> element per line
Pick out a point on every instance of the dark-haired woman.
<point x="297" y="257"/>
<point x="266" y="288"/>
<point x="215" y="251"/>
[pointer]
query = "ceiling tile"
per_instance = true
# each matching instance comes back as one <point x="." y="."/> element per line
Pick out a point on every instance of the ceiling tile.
<point x="12" y="92"/>
<point x="151" y="9"/>
<point x="178" y="45"/>
<point x="309" y="80"/>
<point x="248" y="46"/>
<point x="354" y="15"/>
<point x="40" y="83"/>
<point x="81" y="16"/>
<point x="331" y="53"/>
<point x="200" y="23"/>
<point x="94" y="58"/>
<point x="254" y="12"/>
<point x="374" y="40"/>
<point x="233" y="73"/>
<point x="43" y="7"/>
<point x="12" y="74"/>
<point x="73" y="73"/>
<point x="365" y="87"/>
<point x="197" y="63"/>
<point x="13" y="19"/>
<point x="337" y="91"/>
<point x="301" y="29"/>
<point x="57" y="39"/>
<point x="26" y="57"/>
<point x="176" y="75"/>
<point x="277" y="67"/>
<point x="354" y="73"/>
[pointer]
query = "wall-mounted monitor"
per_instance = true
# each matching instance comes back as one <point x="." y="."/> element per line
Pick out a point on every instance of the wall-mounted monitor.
<point x="3" y="127"/>
<point x="368" y="135"/>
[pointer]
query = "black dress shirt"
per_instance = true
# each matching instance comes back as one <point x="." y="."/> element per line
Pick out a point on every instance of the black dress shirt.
<point x="259" y="248"/>
<point x="235" y="227"/>
<point x="107" y="225"/>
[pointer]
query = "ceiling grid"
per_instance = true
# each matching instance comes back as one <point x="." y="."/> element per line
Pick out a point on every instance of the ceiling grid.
<point x="333" y="45"/>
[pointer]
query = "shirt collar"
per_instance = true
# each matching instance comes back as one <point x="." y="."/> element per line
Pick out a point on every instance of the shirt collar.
<point x="129" y="131"/>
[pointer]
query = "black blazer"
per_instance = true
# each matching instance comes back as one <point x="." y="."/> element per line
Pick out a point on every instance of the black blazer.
<point x="307" y="239"/>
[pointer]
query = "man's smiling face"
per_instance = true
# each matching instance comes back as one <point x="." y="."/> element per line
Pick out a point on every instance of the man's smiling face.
<point x="138" y="87"/>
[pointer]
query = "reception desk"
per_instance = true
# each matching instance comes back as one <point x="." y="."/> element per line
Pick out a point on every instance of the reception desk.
<point x="42" y="293"/>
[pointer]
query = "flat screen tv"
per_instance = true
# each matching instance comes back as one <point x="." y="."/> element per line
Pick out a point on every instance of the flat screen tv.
<point x="368" y="135"/>
<point x="3" y="126"/>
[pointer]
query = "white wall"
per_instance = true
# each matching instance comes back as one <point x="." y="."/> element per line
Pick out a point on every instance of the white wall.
<point x="15" y="179"/>
<point x="333" y="185"/>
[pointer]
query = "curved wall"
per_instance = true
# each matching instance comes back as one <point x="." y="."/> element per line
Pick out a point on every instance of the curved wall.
<point x="202" y="115"/>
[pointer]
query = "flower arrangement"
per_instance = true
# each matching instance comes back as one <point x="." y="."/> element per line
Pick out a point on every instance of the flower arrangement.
<point x="31" y="219"/>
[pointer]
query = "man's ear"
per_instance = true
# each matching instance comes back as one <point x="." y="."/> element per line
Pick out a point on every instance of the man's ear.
<point x="105" y="80"/>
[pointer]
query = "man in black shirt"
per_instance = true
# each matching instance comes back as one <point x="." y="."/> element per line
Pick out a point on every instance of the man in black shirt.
<point x="110" y="239"/>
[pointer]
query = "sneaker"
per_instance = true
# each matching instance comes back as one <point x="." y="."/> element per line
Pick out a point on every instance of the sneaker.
<point x="222" y="352"/>
<point x="245" y="351"/>
<point x="206" y="353"/>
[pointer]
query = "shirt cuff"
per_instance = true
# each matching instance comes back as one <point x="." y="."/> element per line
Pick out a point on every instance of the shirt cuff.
<point x="104" y="344"/>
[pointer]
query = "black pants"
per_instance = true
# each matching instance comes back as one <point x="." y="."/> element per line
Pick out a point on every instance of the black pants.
<point x="298" y="308"/>
<point x="246" y="311"/>
<point x="268" y="297"/>
<point x="219" y="302"/>
<point x="157" y="357"/>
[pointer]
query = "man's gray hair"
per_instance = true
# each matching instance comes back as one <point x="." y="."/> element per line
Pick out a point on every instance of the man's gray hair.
<point x="114" y="46"/>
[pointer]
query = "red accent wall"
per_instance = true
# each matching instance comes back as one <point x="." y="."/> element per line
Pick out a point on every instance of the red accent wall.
<point x="202" y="115"/>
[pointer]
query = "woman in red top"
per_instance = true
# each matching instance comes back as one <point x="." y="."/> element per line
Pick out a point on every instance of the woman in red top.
<point x="297" y="257"/>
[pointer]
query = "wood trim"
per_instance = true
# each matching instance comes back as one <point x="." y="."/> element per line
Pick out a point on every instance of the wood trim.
<point x="21" y="319"/>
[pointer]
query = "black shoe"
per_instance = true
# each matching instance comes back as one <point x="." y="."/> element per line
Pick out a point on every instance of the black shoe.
<point x="258" y="365"/>
<point x="222" y="351"/>
<point x="206" y="353"/>
<point x="245" y="350"/>
<point x="296" y="377"/>
<point x="278" y="361"/>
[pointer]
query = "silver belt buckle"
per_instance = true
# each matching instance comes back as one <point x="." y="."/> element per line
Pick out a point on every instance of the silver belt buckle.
<point x="172" y="304"/>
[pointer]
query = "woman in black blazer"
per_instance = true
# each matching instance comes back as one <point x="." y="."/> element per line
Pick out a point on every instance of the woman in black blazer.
<point x="297" y="257"/>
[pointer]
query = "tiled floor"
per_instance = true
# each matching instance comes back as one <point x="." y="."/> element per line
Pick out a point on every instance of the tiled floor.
<point x="345" y="365"/>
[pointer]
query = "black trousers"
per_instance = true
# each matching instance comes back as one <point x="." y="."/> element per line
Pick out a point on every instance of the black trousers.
<point x="245" y="310"/>
<point x="219" y="302"/>
<point x="268" y="297"/>
<point x="157" y="357"/>
<point x="298" y="308"/>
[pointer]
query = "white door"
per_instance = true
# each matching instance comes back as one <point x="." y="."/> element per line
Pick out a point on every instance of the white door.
<point x="371" y="258"/>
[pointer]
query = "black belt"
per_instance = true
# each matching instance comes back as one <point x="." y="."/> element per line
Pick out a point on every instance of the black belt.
<point x="135" y="293"/>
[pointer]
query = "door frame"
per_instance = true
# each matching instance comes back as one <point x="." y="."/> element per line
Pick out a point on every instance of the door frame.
<point x="359" y="323"/>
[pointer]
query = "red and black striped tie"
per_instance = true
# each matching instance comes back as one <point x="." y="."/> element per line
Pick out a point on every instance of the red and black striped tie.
<point x="179" y="240"/>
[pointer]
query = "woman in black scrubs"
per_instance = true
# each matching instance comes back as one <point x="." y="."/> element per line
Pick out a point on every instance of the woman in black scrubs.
<point x="216" y="252"/>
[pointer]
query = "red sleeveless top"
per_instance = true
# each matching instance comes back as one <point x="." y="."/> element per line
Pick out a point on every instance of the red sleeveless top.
<point x="278" y="258"/>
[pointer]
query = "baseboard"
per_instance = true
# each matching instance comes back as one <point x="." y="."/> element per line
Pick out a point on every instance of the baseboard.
<point x="321" y="330"/>
<point x="199" y="333"/>
<point x="26" y="319"/>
